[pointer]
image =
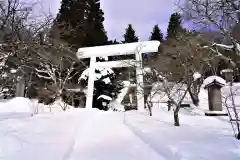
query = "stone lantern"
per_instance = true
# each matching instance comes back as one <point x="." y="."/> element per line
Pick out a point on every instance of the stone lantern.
<point x="213" y="84"/>
<point x="228" y="74"/>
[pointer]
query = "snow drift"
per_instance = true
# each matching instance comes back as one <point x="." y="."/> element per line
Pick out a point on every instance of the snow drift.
<point x="93" y="134"/>
<point x="24" y="107"/>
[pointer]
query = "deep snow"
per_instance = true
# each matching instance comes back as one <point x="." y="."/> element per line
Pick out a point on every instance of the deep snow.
<point x="88" y="134"/>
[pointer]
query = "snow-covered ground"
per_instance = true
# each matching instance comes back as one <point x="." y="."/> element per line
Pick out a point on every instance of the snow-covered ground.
<point x="90" y="134"/>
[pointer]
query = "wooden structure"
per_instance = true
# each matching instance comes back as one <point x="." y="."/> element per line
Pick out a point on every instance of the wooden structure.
<point x="214" y="95"/>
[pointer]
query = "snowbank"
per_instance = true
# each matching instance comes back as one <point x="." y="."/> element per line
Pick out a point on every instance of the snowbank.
<point x="17" y="104"/>
<point x="24" y="107"/>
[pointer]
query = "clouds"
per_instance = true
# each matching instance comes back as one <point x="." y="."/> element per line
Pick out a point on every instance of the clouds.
<point x="142" y="14"/>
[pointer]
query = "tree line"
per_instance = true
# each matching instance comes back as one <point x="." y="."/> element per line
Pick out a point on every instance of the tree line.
<point x="80" y="24"/>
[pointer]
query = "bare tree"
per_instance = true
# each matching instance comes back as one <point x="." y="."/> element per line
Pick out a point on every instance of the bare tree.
<point x="223" y="15"/>
<point x="14" y="30"/>
<point x="179" y="59"/>
<point x="28" y="48"/>
<point x="230" y="96"/>
<point x="58" y="70"/>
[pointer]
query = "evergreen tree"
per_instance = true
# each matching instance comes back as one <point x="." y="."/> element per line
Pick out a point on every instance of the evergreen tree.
<point x="130" y="35"/>
<point x="108" y="85"/>
<point x="96" y="34"/>
<point x="80" y="23"/>
<point x="174" y="25"/>
<point x="156" y="34"/>
<point x="111" y="42"/>
<point x="115" y="41"/>
<point x="70" y="24"/>
<point x="86" y="19"/>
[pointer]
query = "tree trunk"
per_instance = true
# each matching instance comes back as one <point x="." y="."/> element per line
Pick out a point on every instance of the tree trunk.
<point x="150" y="109"/>
<point x="176" y="119"/>
<point x="238" y="136"/>
<point x="194" y="98"/>
<point x="169" y="104"/>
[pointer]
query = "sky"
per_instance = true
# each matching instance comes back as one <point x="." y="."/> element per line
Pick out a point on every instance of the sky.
<point x="142" y="14"/>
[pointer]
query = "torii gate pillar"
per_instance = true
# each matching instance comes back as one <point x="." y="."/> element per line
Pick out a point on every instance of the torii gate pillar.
<point x="140" y="85"/>
<point x="136" y="48"/>
<point x="91" y="79"/>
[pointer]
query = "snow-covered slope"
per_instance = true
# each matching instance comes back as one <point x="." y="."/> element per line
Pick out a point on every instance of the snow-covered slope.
<point x="92" y="134"/>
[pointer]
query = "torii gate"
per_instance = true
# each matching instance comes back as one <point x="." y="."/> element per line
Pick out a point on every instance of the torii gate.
<point x="136" y="48"/>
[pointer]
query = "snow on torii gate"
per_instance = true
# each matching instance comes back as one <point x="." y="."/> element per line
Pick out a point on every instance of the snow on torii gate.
<point x="136" y="48"/>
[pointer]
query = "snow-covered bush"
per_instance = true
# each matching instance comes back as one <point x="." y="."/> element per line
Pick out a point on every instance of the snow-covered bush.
<point x="106" y="86"/>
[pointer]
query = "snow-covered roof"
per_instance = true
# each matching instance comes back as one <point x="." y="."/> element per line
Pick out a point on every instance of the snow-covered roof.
<point x="210" y="80"/>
